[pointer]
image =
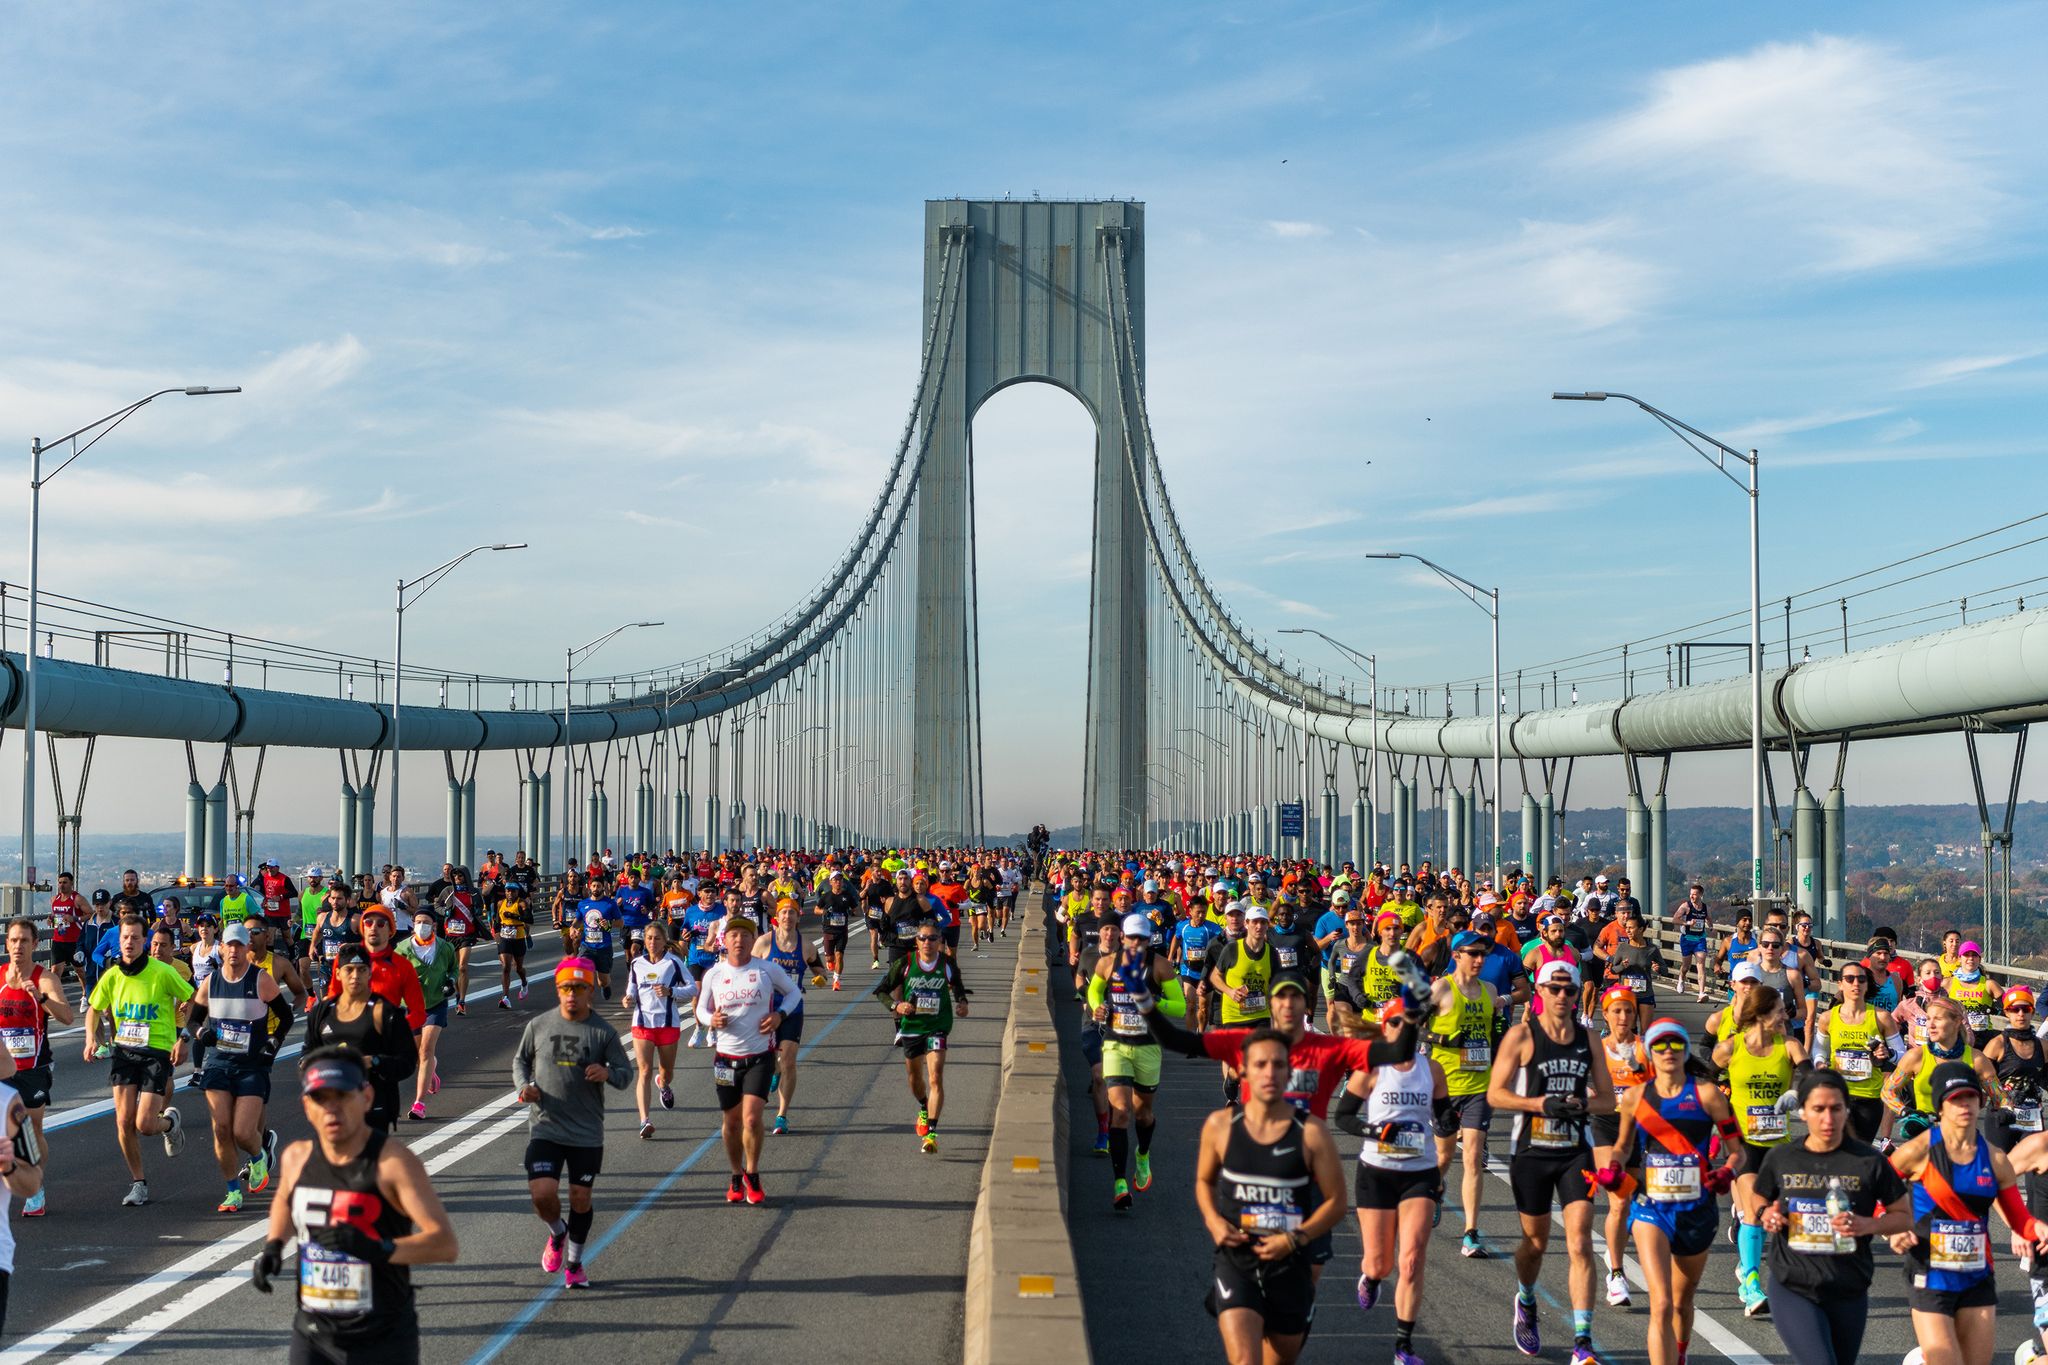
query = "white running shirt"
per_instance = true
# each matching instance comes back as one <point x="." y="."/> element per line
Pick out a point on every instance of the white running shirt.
<point x="747" y="995"/>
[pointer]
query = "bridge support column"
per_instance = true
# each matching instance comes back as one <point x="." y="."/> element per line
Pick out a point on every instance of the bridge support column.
<point x="1454" y="826"/>
<point x="1656" y="897"/>
<point x="365" y="858"/>
<point x="452" y="842"/>
<point x="469" y="822"/>
<point x="593" y="832"/>
<point x="1361" y="825"/>
<point x="679" y="820"/>
<point x="1327" y="854"/>
<point x="1806" y="852"/>
<point x="545" y="834"/>
<point x="345" y="849"/>
<point x="195" y="830"/>
<point x="1532" y="832"/>
<point x="1546" y="854"/>
<point x="1636" y="826"/>
<point x="712" y="843"/>
<point x="1835" y="863"/>
<point x="217" y="831"/>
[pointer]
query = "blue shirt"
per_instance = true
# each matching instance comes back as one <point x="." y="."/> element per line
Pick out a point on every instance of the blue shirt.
<point x="941" y="912"/>
<point x="1501" y="970"/>
<point x="1332" y="922"/>
<point x="635" y="906"/>
<point x="1194" y="938"/>
<point x="697" y="922"/>
<point x="593" y="921"/>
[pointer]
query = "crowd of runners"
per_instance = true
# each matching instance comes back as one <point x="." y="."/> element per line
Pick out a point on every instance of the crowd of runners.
<point x="1830" y="1101"/>
<point x="363" y="979"/>
<point x="1834" y="1102"/>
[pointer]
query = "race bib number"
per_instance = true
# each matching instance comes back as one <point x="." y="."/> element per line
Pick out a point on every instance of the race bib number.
<point x="1406" y="1141"/>
<point x="331" y="949"/>
<point x="1269" y="1218"/>
<point x="2026" y="1118"/>
<point x="836" y="919"/>
<point x="1287" y="956"/>
<point x="1766" y="1124"/>
<point x="722" y="1073"/>
<point x="22" y="1044"/>
<point x="1808" y="1230"/>
<point x="1957" y="1246"/>
<point x="1854" y="1063"/>
<point x="1669" y="1178"/>
<point x="509" y="932"/>
<point x="270" y="907"/>
<point x="332" y="1284"/>
<point x="927" y="1002"/>
<point x="1637" y="983"/>
<point x="1254" y="1000"/>
<point x="1475" y="1057"/>
<point x="1979" y="1022"/>
<point x="1550" y="1132"/>
<point x="231" y="1037"/>
<point x="1129" y="1021"/>
<point x="132" y="1033"/>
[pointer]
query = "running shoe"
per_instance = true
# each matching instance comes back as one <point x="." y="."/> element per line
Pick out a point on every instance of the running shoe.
<point x="33" y="1206"/>
<point x="551" y="1254"/>
<point x="1528" y="1340"/>
<point x="930" y="1144"/>
<point x="1617" y="1289"/>
<point x="874" y="964"/>
<point x="270" y="1148"/>
<point x="193" y="1081"/>
<point x="1368" y="1293"/>
<point x="174" y="1136"/>
<point x="668" y="1097"/>
<point x="504" y="1002"/>
<point x="1144" y="1180"/>
<point x="924" y="1125"/>
<point x="434" y="1082"/>
<point x="697" y="1037"/>
<point x="1405" y="1357"/>
<point x="257" y="1173"/>
<point x="1472" y="1248"/>
<point x="1436" y="1215"/>
<point x="103" y="1051"/>
<point x="607" y="990"/>
<point x="232" y="1203"/>
<point x="781" y="1124"/>
<point x="835" y="981"/>
<point x="461" y="1010"/>
<point x="646" y="1131"/>
<point x="1101" y="1147"/>
<point x="750" y="1184"/>
<point x="1755" y="1303"/>
<point x="522" y="990"/>
<point x="736" y="1193"/>
<point x="1583" y="1355"/>
<point x="774" y="1082"/>
<point x="573" y="1277"/>
<point x="419" y="1110"/>
<point x="1122" y="1201"/>
<point x="137" y="1196"/>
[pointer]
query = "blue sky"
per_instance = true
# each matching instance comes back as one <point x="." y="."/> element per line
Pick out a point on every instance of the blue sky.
<point x="640" y="284"/>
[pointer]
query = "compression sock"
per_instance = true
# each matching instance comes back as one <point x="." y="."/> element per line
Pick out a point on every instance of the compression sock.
<point x="1404" y="1333"/>
<point x="579" y="1232"/>
<point x="1526" y="1293"/>
<point x="1145" y="1130"/>
<point x="558" y="1229"/>
<point x="1582" y="1324"/>
<point x="1120" y="1152"/>
<point x="1749" y="1248"/>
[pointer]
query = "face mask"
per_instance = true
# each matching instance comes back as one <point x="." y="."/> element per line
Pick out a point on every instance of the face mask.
<point x="423" y="931"/>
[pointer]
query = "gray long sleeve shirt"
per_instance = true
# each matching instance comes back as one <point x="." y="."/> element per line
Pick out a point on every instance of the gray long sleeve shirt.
<point x="552" y="1054"/>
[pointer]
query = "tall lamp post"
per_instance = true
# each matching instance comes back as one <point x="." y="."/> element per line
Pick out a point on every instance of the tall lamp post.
<point x="36" y="479"/>
<point x="1488" y="601"/>
<point x="1371" y="664"/>
<point x="418" y="587"/>
<point x="1718" y="456"/>
<point x="583" y="651"/>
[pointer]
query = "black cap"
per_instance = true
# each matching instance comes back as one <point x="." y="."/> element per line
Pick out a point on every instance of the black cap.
<point x="1953" y="1078"/>
<point x="102" y="897"/>
<point x="352" y="954"/>
<point x="1287" y="983"/>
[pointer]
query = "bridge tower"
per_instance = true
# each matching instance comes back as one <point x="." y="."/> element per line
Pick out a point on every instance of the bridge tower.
<point x="1033" y="306"/>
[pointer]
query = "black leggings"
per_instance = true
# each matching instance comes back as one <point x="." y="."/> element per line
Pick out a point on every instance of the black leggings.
<point x="1826" y="1333"/>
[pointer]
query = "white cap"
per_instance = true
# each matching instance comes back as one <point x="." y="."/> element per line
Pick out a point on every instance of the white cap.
<point x="1137" y="926"/>
<point x="1151" y="884"/>
<point x="1555" y="969"/>
<point x="1255" y="911"/>
<point x="316" y="871"/>
<point x="1340" y="897"/>
<point x="1221" y="886"/>
<point x="1745" y="971"/>
<point x="1600" y="880"/>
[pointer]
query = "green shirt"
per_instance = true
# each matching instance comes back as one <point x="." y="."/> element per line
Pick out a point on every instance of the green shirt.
<point x="310" y="901"/>
<point x="930" y="992"/>
<point x="436" y="967"/>
<point x="143" y="1007"/>
<point x="234" y="909"/>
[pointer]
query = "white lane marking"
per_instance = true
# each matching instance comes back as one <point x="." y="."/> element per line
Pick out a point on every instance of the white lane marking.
<point x="1704" y="1326"/>
<point x="221" y="1285"/>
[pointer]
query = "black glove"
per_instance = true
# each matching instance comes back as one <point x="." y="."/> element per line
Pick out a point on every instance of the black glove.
<point x="1563" y="1107"/>
<point x="353" y="1241"/>
<point x="1385" y="1132"/>
<point x="1445" y="1116"/>
<point x="269" y="1261"/>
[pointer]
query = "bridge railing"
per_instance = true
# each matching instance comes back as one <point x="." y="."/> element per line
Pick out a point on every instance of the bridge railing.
<point x="1837" y="952"/>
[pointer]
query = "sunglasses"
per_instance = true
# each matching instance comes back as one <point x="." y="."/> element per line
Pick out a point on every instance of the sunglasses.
<point x="1557" y="988"/>
<point x="927" y="938"/>
<point x="1855" y="980"/>
<point x="1770" y="943"/>
<point x="1668" y="1045"/>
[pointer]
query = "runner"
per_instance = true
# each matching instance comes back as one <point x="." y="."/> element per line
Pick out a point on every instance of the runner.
<point x="836" y="906"/>
<point x="1399" y="1186"/>
<point x="311" y="901"/>
<point x="1010" y="881"/>
<point x="2015" y="1052"/>
<point x="513" y="923"/>
<point x="1819" y="1197"/>
<point x="1665" y="1128"/>
<point x="1188" y="951"/>
<point x="1549" y="1076"/>
<point x="703" y="931"/>
<point x="1855" y="1038"/>
<point x="1970" y="986"/>
<point x="21" y="1171"/>
<point x="635" y="902"/>
<point x="1465" y="1019"/>
<point x="595" y="921"/>
<point x="1908" y="1091"/>
<point x="1635" y="963"/>
<point x="925" y="992"/>
<point x="462" y="927"/>
<point x="364" y="1212"/>
<point x="29" y="999"/>
<point x="335" y="927"/>
<point x="657" y="982"/>
<point x="1269" y="1187"/>
<point x="433" y="961"/>
<point x="742" y="1001"/>
<point x="1695" y="924"/>
<point x="783" y="945"/>
<point x="1130" y="1054"/>
<point x="1759" y="1059"/>
<point x="1955" y="1177"/>
<point x="67" y="921"/>
<point x="145" y="1000"/>
<point x="1628" y="1066"/>
<point x="234" y="1006"/>
<point x="564" y="1061"/>
<point x="370" y="1025"/>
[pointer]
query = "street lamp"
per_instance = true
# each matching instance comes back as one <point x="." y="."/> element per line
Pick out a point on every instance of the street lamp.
<point x="1718" y="457"/>
<point x="1488" y="601"/>
<point x="36" y="480"/>
<point x="568" y="692"/>
<point x="419" y="587"/>
<point x="1371" y="663"/>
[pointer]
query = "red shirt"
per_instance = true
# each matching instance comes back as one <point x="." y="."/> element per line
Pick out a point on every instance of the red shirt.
<point x="64" y="918"/>
<point x="1319" y="1061"/>
<point x="394" y="979"/>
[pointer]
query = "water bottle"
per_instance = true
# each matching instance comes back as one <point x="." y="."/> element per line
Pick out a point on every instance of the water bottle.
<point x="1838" y="1203"/>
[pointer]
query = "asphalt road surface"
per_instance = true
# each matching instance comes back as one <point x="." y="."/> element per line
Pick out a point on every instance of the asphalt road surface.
<point x="861" y="1246"/>
<point x="1143" y="1274"/>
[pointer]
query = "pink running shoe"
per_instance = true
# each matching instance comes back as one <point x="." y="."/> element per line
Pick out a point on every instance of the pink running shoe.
<point x="551" y="1255"/>
<point x="574" y="1278"/>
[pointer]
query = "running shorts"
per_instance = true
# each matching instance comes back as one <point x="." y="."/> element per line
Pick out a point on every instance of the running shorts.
<point x="558" y="1161"/>
<point x="438" y="1015"/>
<point x="1375" y="1187"/>
<point x="601" y="958"/>
<point x="918" y="1044"/>
<point x="63" y="952"/>
<point x="1753" y="1156"/>
<point x="34" y="1084"/>
<point x="145" y="1068"/>
<point x="1473" y="1111"/>
<point x="1691" y="947"/>
<point x="1689" y="1228"/>
<point x="513" y="949"/>
<point x="1132" y="1064"/>
<point x="1866" y="1113"/>
<point x="738" y="1077"/>
<point x="660" y="1037"/>
<point x="1283" y="1292"/>
<point x="313" y="1346"/>
<point x="1983" y="1294"/>
<point x="1091" y="1044"/>
<point x="791" y="1029"/>
<point x="835" y="938"/>
<point x="952" y="933"/>
<point x="241" y="1082"/>
<point x="1606" y="1128"/>
<point x="1541" y="1178"/>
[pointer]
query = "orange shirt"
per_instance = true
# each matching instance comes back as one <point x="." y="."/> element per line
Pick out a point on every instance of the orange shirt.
<point x="1610" y="938"/>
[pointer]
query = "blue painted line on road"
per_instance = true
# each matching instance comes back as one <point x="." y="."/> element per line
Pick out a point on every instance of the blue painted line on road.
<point x="646" y="1201"/>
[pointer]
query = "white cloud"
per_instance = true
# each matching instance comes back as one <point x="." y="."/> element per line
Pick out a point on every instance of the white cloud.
<point x="312" y="368"/>
<point x="1294" y="230"/>
<point x="1963" y="366"/>
<point x="1864" y="153"/>
<point x="1518" y="505"/>
<point x="1571" y="271"/>
<point x="614" y="233"/>
<point x="1811" y="421"/>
